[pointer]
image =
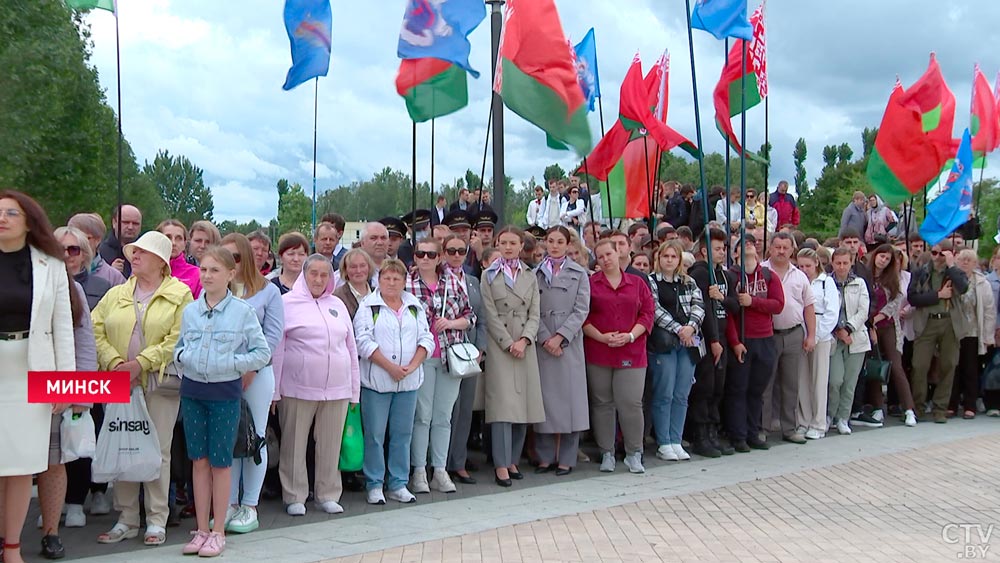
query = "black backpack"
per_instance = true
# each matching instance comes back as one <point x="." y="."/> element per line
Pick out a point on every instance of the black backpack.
<point x="248" y="443"/>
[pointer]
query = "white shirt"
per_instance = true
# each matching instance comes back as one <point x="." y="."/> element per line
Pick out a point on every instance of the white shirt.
<point x="596" y="205"/>
<point x="735" y="213"/>
<point x="827" y="304"/>
<point x="549" y="212"/>
<point x="534" y="212"/>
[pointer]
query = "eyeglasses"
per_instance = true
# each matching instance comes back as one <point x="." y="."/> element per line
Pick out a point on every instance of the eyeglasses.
<point x="11" y="213"/>
<point x="574" y="192"/>
<point x="72" y="250"/>
<point x="457" y="251"/>
<point x="432" y="254"/>
<point x="935" y="252"/>
<point x="236" y="257"/>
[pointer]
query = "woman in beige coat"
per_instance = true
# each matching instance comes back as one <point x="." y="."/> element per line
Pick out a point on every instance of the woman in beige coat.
<point x="975" y="333"/>
<point x="513" y="386"/>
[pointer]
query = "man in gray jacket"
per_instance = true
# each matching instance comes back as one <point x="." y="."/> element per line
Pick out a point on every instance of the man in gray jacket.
<point x="854" y="218"/>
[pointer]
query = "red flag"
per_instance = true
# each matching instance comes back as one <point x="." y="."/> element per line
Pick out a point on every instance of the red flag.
<point x="729" y="94"/>
<point x="934" y="101"/>
<point x="985" y="130"/>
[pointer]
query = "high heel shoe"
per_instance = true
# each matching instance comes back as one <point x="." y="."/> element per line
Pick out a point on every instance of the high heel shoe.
<point x="502" y="482"/>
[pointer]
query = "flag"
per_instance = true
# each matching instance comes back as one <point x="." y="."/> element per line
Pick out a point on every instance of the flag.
<point x="931" y="96"/>
<point x="729" y="92"/>
<point x="722" y="18"/>
<point x="431" y="88"/>
<point x="984" y="126"/>
<point x="586" y="68"/>
<point x="953" y="207"/>
<point x="536" y="77"/>
<point x="440" y="29"/>
<point x="904" y="160"/>
<point x="308" y="23"/>
<point x="643" y="103"/>
<point x="108" y="5"/>
<point x="607" y="153"/>
<point x="632" y="177"/>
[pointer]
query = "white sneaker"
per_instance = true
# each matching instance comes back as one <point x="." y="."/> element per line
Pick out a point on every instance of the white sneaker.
<point x="75" y="518"/>
<point x="681" y="454"/>
<point x="245" y="520"/>
<point x="401" y="495"/>
<point x="634" y="462"/>
<point x="442" y="482"/>
<point x="666" y="453"/>
<point x="418" y="481"/>
<point x="910" y="418"/>
<point x="813" y="434"/>
<point x="375" y="496"/>
<point x="230" y="514"/>
<point x="296" y="509"/>
<point x="843" y="427"/>
<point x="331" y="507"/>
<point x="608" y="462"/>
<point x="99" y="504"/>
<point x="878" y="415"/>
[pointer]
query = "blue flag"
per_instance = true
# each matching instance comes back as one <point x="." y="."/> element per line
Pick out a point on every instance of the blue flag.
<point x="308" y="23"/>
<point x="586" y="68"/>
<point x="439" y="29"/>
<point x="953" y="207"/>
<point x="722" y="18"/>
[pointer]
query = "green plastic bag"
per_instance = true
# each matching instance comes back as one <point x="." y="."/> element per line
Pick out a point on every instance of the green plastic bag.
<point x="352" y="447"/>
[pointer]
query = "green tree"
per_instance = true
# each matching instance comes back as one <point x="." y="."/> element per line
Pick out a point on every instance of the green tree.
<point x="181" y="186"/>
<point x="987" y="193"/>
<point x="868" y="140"/>
<point x="844" y="153"/>
<point x="830" y="155"/>
<point x="553" y="172"/>
<point x="294" y="209"/>
<point x="799" y="157"/>
<point x="765" y="153"/>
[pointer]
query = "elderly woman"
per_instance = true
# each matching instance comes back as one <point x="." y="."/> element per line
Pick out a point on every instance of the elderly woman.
<point x="77" y="257"/>
<point x="446" y="305"/>
<point x="514" y="391"/>
<point x="394" y="339"/>
<point x="316" y="377"/>
<point x="293" y="248"/>
<point x="975" y="332"/>
<point x="621" y="315"/>
<point x="356" y="267"/>
<point x="564" y="303"/>
<point x="92" y="225"/>
<point x="136" y="326"/>
<point x="179" y="267"/>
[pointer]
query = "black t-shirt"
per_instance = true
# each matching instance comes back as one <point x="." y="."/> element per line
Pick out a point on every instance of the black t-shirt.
<point x="15" y="290"/>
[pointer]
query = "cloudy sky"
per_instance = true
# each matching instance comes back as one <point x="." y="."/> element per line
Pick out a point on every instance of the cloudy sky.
<point x="203" y="79"/>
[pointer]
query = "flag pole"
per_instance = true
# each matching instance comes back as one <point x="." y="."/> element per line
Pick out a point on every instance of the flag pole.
<point x="906" y="224"/>
<point x="701" y="154"/>
<point x="607" y="181"/>
<point x="432" y="171"/>
<point x="743" y="175"/>
<point x="315" y="137"/>
<point x="413" y="184"/>
<point x="499" y="181"/>
<point x="649" y="187"/>
<point x="767" y="168"/>
<point x="486" y="150"/>
<point x="121" y="136"/>
<point x="586" y="170"/>
<point x="728" y="226"/>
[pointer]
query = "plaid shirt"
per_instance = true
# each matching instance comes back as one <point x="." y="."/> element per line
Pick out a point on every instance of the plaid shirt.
<point x="691" y="302"/>
<point x="457" y="306"/>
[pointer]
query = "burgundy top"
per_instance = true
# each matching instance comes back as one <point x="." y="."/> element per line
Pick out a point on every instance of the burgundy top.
<point x="618" y="310"/>
<point x="767" y="300"/>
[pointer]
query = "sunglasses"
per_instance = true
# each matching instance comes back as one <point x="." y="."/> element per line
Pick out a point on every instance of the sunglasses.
<point x="936" y="252"/>
<point x="236" y="257"/>
<point x="432" y="254"/>
<point x="457" y="251"/>
<point x="73" y="250"/>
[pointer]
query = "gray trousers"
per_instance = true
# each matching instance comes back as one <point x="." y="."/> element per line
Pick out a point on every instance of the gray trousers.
<point x="461" y="424"/>
<point x="569" y="445"/>
<point x="508" y="441"/>
<point x="781" y="397"/>
<point x="616" y="390"/>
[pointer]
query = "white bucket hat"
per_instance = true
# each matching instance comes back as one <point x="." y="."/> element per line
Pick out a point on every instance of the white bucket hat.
<point x="153" y="242"/>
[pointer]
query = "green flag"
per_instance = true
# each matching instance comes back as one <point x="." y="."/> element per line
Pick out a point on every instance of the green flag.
<point x="108" y="5"/>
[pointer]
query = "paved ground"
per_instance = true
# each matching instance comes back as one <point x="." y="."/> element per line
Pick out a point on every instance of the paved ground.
<point x="894" y="494"/>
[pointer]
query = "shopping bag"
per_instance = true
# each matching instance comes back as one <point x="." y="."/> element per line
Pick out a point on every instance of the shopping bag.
<point x="127" y="448"/>
<point x="352" y="447"/>
<point x="77" y="436"/>
<point x="248" y="442"/>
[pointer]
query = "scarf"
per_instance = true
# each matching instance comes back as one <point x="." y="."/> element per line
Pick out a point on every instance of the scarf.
<point x="509" y="267"/>
<point x="551" y="266"/>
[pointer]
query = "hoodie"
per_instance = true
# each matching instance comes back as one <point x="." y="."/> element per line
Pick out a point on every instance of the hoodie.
<point x="768" y="299"/>
<point x="190" y="275"/>
<point x="317" y="358"/>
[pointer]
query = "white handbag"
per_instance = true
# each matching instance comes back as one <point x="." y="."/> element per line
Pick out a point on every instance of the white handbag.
<point x="462" y="359"/>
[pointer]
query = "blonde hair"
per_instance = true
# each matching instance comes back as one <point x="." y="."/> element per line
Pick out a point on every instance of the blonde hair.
<point x="351" y="254"/>
<point x="392" y="265"/>
<point x="678" y="248"/>
<point x="253" y="281"/>
<point x="81" y="241"/>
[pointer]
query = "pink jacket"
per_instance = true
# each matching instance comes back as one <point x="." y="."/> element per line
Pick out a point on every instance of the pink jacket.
<point x="190" y="275"/>
<point x="317" y="358"/>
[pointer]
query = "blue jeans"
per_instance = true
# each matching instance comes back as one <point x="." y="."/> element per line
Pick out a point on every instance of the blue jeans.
<point x="673" y="374"/>
<point x="394" y="411"/>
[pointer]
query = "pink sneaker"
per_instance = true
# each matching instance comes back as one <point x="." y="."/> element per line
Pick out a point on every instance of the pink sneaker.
<point x="214" y="546"/>
<point x="194" y="546"/>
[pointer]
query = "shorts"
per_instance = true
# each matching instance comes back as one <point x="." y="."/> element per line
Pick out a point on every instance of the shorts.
<point x="210" y="429"/>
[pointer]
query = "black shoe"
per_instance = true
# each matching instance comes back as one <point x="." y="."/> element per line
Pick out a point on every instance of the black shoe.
<point x="543" y="469"/>
<point x="705" y="449"/>
<point x="503" y="482"/>
<point x="713" y="438"/>
<point x="516" y="475"/>
<point x="560" y="472"/>
<point x="270" y="493"/>
<point x="740" y="446"/>
<point x="757" y="444"/>
<point x="352" y="483"/>
<point x="463" y="480"/>
<point x="52" y="547"/>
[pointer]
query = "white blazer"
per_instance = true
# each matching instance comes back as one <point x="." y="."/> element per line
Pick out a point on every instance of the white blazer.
<point x="50" y="341"/>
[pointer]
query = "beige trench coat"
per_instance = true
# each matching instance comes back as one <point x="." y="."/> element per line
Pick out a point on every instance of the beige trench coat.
<point x="513" y="387"/>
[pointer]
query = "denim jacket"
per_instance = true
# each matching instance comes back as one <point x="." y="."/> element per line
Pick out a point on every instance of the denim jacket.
<point x="220" y="344"/>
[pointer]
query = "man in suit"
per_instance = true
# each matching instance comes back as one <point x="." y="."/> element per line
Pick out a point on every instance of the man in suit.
<point x="463" y="201"/>
<point x="439" y="211"/>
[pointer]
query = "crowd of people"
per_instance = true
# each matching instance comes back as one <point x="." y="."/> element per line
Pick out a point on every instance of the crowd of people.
<point x="677" y="333"/>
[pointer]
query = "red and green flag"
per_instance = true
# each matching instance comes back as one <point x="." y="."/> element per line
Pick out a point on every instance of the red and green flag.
<point x="904" y="159"/>
<point x="935" y="102"/>
<point x="108" y="5"/>
<point x="985" y="124"/>
<point x="536" y="76"/>
<point x="729" y="92"/>
<point x="431" y="87"/>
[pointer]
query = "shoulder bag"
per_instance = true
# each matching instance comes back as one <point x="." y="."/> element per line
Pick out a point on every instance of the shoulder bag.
<point x="461" y="359"/>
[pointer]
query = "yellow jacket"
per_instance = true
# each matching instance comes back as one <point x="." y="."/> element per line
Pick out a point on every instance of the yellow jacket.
<point x="115" y="318"/>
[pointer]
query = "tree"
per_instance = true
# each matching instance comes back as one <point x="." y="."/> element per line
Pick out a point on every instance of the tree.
<point x="553" y="172"/>
<point x="830" y="155"/>
<point x="294" y="209"/>
<point x="844" y="153"/>
<point x="868" y="141"/>
<point x="799" y="156"/>
<point x="181" y="186"/>
<point x="987" y="193"/>
<point x="765" y="153"/>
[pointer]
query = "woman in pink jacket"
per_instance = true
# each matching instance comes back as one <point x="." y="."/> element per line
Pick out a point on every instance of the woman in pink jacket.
<point x="316" y="377"/>
<point x="179" y="267"/>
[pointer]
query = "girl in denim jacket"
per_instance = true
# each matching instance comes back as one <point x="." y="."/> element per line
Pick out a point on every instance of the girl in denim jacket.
<point x="220" y="340"/>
